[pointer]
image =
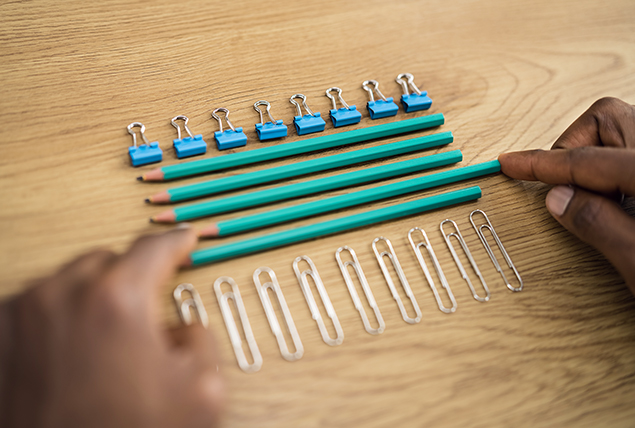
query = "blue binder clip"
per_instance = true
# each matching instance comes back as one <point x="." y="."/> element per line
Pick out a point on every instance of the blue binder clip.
<point x="310" y="122"/>
<point x="347" y="115"/>
<point x="230" y="138"/>
<point x="385" y="107"/>
<point x="269" y="130"/>
<point x="188" y="146"/>
<point x="144" y="153"/>
<point x="415" y="100"/>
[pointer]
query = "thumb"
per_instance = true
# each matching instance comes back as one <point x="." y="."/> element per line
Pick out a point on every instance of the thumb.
<point x="598" y="221"/>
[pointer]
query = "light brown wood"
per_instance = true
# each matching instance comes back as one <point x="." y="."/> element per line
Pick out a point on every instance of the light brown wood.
<point x="508" y="75"/>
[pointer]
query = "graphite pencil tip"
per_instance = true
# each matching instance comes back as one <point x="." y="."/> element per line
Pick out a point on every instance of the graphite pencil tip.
<point x="147" y="200"/>
<point x="140" y="178"/>
<point x="152" y="220"/>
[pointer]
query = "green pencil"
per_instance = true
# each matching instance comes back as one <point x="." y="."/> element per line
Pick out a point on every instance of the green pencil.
<point x="241" y="181"/>
<point x="330" y="227"/>
<point x="187" y="169"/>
<point x="281" y="193"/>
<point x="295" y="212"/>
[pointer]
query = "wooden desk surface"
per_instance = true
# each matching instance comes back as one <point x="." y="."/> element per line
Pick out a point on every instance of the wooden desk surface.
<point x="508" y="75"/>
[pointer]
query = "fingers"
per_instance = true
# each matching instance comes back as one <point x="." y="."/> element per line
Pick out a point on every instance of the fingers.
<point x="608" y="122"/>
<point x="599" y="222"/>
<point x="600" y="169"/>
<point x="150" y="262"/>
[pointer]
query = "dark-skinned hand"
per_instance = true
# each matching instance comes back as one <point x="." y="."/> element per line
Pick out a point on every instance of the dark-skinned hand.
<point x="592" y="165"/>
<point x="85" y="347"/>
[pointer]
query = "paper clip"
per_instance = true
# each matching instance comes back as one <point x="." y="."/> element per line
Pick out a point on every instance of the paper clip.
<point x="385" y="107"/>
<point x="479" y="232"/>
<point x="353" y="291"/>
<point x="415" y="100"/>
<point x="310" y="300"/>
<point x="232" y="329"/>
<point x="268" y="130"/>
<point x="310" y="122"/>
<point x="437" y="266"/>
<point x="230" y="138"/>
<point x="459" y="238"/>
<point x="347" y="115"/>
<point x="274" y="286"/>
<point x="194" y="302"/>
<point x="144" y="153"/>
<point x="188" y="146"/>
<point x="402" y="278"/>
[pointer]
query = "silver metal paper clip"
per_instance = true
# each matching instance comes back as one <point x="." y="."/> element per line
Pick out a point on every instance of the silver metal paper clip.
<point x="457" y="235"/>
<point x="437" y="267"/>
<point x="193" y="303"/>
<point x="232" y="329"/>
<point x="402" y="278"/>
<point x="310" y="300"/>
<point x="353" y="291"/>
<point x="479" y="232"/>
<point x="274" y="286"/>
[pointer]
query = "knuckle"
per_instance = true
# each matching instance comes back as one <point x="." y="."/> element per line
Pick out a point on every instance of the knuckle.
<point x="587" y="214"/>
<point x="605" y="104"/>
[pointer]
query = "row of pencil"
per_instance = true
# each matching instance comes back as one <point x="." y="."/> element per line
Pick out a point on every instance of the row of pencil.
<point x="346" y="258"/>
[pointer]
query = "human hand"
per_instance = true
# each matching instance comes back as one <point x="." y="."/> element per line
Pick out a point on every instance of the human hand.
<point x="85" y="348"/>
<point x="592" y="165"/>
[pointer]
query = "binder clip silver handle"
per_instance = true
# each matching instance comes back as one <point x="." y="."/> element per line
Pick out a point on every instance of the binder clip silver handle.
<point x="297" y="104"/>
<point x="142" y="130"/>
<point x="178" y="128"/>
<point x="339" y="95"/>
<point x="220" y="122"/>
<point x="267" y="105"/>
<point x="405" y="80"/>
<point x="375" y="89"/>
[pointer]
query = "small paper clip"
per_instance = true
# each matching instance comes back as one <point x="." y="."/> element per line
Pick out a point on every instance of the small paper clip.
<point x="402" y="278"/>
<point x="274" y="286"/>
<point x="353" y="291"/>
<point x="188" y="146"/>
<point x="479" y="232"/>
<point x="437" y="266"/>
<point x="144" y="153"/>
<point x="385" y="107"/>
<point x="310" y="122"/>
<point x="269" y="130"/>
<point x="310" y="300"/>
<point x="459" y="265"/>
<point x="347" y="115"/>
<point x="230" y="138"/>
<point x="194" y="302"/>
<point x="232" y="329"/>
<point x="415" y="100"/>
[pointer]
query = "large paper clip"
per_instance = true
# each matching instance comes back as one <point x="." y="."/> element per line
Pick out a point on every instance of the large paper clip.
<point x="274" y="286"/>
<point x="437" y="266"/>
<point x="230" y="138"/>
<point x="353" y="291"/>
<point x="457" y="235"/>
<point x="232" y="329"/>
<point x="310" y="122"/>
<point x="347" y="115"/>
<point x="384" y="107"/>
<point x="310" y="300"/>
<point x="402" y="278"/>
<point x="144" y="153"/>
<point x="268" y="130"/>
<point x="479" y="232"/>
<point x="413" y="99"/>
<point x="188" y="146"/>
<point x="192" y="303"/>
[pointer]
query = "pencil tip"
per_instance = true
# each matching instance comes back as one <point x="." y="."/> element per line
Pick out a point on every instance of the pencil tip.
<point x="140" y="178"/>
<point x="147" y="200"/>
<point x="152" y="220"/>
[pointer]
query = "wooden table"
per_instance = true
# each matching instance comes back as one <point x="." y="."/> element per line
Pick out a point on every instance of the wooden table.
<point x="508" y="75"/>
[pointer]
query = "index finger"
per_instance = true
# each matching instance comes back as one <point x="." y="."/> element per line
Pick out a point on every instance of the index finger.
<point x="608" y="122"/>
<point x="149" y="263"/>
<point x="599" y="169"/>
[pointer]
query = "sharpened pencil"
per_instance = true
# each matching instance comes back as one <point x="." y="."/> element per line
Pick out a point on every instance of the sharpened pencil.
<point x="322" y="206"/>
<point x="305" y="188"/>
<point x="330" y="227"/>
<point x="232" y="160"/>
<point x="250" y="179"/>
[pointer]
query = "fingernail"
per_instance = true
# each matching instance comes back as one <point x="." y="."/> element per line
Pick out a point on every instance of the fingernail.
<point x="558" y="199"/>
<point x="183" y="226"/>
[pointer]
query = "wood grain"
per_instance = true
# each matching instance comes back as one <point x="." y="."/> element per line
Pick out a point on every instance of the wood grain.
<point x="508" y="75"/>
